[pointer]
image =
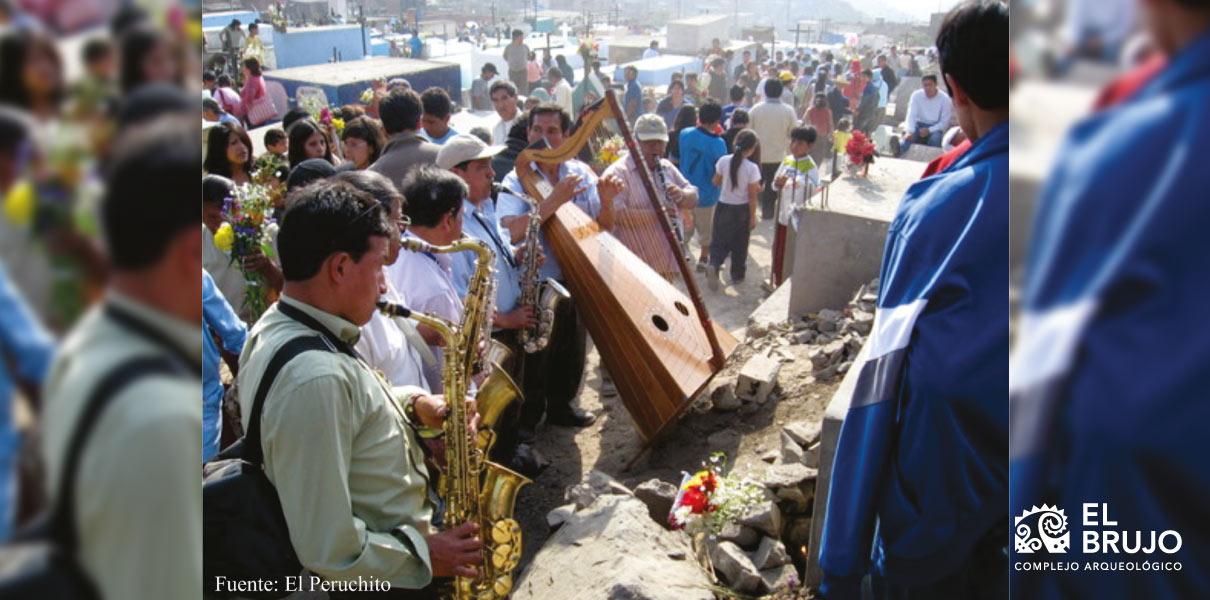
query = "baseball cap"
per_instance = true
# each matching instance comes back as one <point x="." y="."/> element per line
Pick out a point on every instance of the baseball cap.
<point x="464" y="147"/>
<point x="785" y="76"/>
<point x="650" y="127"/>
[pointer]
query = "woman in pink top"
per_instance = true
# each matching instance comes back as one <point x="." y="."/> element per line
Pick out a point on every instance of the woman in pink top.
<point x="253" y="91"/>
<point x="533" y="70"/>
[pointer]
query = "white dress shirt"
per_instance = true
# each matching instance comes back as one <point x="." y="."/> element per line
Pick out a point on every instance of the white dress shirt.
<point x="425" y="283"/>
<point x="561" y="95"/>
<point x="500" y="131"/>
<point x="393" y="346"/>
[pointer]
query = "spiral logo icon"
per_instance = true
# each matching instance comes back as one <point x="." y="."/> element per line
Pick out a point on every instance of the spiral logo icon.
<point x="1039" y="528"/>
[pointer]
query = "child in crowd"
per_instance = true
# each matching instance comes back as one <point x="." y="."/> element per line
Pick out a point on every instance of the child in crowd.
<point x="735" y="214"/>
<point x="842" y="135"/>
<point x="796" y="180"/>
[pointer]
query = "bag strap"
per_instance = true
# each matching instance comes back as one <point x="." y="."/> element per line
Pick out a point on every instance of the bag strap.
<point x="252" y="448"/>
<point x="63" y="523"/>
<point x="138" y="326"/>
<point x="298" y="315"/>
<point x="326" y="341"/>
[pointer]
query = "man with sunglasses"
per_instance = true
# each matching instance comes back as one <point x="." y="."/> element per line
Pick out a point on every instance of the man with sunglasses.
<point x="426" y="280"/>
<point x="391" y="345"/>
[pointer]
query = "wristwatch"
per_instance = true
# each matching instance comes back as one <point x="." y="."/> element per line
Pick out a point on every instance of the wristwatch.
<point x="409" y="410"/>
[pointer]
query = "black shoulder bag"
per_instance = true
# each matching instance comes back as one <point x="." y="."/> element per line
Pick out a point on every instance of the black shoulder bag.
<point x="42" y="561"/>
<point x="245" y="534"/>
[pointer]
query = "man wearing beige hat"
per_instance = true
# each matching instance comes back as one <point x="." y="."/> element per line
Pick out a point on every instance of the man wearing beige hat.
<point x="635" y="222"/>
<point x="470" y="159"/>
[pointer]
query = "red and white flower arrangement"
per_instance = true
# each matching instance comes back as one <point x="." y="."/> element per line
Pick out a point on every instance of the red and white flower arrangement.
<point x="708" y="500"/>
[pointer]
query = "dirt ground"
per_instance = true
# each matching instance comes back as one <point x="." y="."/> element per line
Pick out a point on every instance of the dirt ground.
<point x="610" y="443"/>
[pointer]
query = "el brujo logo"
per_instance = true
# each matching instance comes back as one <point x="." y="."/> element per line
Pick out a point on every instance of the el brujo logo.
<point x="1041" y="527"/>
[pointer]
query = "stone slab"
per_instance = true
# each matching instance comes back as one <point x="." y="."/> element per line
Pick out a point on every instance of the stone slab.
<point x="829" y="435"/>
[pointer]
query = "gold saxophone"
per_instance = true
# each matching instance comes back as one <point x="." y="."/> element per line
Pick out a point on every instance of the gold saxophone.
<point x="474" y="489"/>
<point x="544" y="296"/>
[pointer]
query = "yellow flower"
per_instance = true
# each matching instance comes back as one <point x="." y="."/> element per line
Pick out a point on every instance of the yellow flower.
<point x="19" y="203"/>
<point x="338" y="124"/>
<point x="224" y="238"/>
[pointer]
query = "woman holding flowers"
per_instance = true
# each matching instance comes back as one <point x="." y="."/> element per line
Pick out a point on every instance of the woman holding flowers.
<point x="237" y="232"/>
<point x="229" y="153"/>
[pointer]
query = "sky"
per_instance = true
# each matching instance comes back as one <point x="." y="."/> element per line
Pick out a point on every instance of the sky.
<point x="919" y="9"/>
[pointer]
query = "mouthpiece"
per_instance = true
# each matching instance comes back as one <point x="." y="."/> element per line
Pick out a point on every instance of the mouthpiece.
<point x="394" y="310"/>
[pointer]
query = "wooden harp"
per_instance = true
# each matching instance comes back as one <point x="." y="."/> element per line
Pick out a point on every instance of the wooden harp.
<point x="659" y="344"/>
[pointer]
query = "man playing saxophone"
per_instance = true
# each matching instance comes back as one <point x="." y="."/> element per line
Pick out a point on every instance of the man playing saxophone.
<point x="470" y="159"/>
<point x="425" y="280"/>
<point x="552" y="380"/>
<point x="342" y="447"/>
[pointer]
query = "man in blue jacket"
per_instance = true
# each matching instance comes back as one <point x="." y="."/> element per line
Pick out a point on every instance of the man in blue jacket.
<point x="919" y="485"/>
<point x="700" y="148"/>
<point x="1109" y="374"/>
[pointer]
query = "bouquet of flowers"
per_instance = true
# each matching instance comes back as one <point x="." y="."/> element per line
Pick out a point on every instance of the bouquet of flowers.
<point x="248" y="230"/>
<point x="270" y="171"/>
<point x="326" y="118"/>
<point x="708" y="500"/>
<point x="860" y="149"/>
<point x="367" y="96"/>
<point x="314" y="105"/>
<point x="611" y="150"/>
<point x="54" y="200"/>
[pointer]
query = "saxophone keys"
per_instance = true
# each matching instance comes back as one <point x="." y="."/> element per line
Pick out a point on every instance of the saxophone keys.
<point x="505" y="531"/>
<point x="501" y="556"/>
<point x="503" y="585"/>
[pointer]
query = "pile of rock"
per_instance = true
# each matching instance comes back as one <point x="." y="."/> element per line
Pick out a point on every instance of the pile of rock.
<point x="833" y="338"/>
<point x="757" y="554"/>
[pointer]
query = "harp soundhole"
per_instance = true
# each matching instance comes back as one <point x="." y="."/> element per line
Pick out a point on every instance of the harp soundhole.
<point x="684" y="310"/>
<point x="659" y="323"/>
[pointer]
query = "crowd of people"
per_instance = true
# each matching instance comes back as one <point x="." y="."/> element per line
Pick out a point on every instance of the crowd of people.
<point x="100" y="348"/>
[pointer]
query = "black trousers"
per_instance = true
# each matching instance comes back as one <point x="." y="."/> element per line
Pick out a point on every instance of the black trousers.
<point x="984" y="575"/>
<point x="768" y="195"/>
<point x="553" y="376"/>
<point x="730" y="238"/>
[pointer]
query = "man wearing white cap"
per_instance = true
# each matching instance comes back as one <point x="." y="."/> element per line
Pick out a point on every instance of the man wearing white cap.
<point x="469" y="158"/>
<point x="635" y="222"/>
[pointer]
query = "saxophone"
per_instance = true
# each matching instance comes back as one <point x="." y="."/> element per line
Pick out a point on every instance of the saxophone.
<point x="474" y="489"/>
<point x="544" y="296"/>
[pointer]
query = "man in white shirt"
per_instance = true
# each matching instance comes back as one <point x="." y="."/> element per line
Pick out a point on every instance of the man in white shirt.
<point x="772" y="121"/>
<point x="929" y="113"/>
<point x="652" y="51"/>
<point x="504" y="100"/>
<point x="560" y="91"/>
<point x="391" y="345"/>
<point x="425" y="279"/>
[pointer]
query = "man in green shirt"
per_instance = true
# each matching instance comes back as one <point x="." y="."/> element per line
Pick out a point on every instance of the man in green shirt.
<point x="137" y="494"/>
<point x="341" y="446"/>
